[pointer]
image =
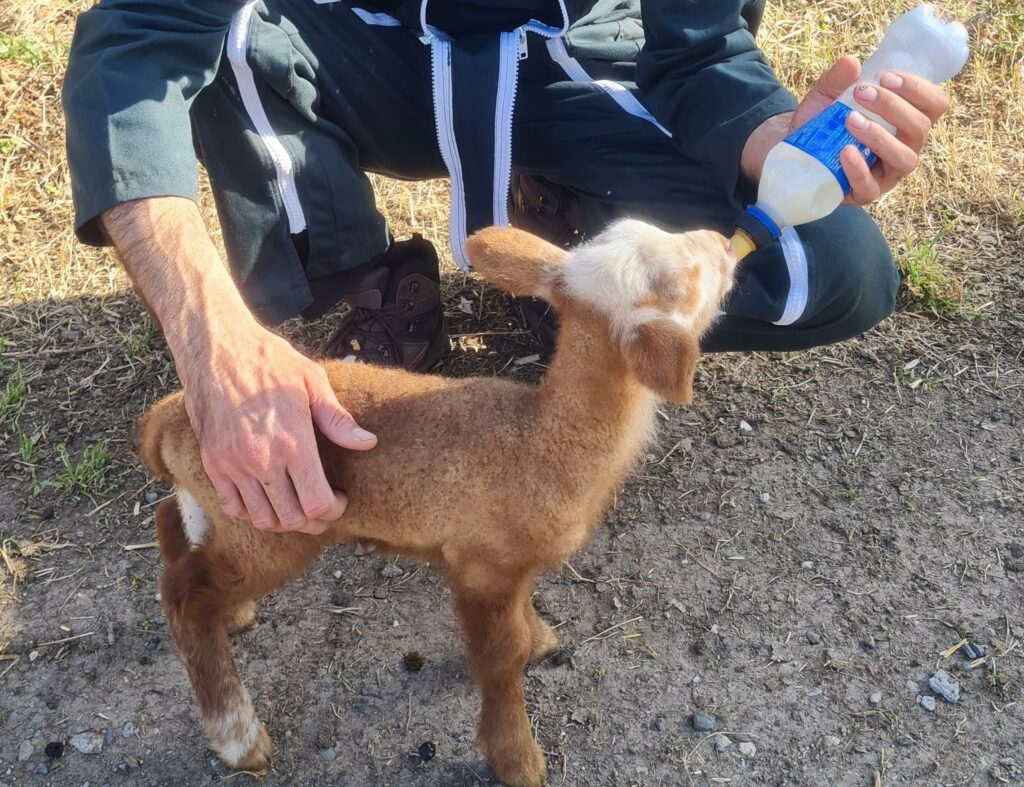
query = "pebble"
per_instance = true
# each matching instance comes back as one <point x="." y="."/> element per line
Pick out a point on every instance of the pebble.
<point x="807" y="564"/>
<point x="745" y="427"/>
<point x="87" y="742"/>
<point x="41" y="768"/>
<point x="766" y="498"/>
<point x="54" y="749"/>
<point x="47" y="513"/>
<point x="722" y="743"/>
<point x="703" y="722"/>
<point x="327" y="754"/>
<point x="657" y="725"/>
<point x="391" y="571"/>
<point x="427" y="751"/>
<point x="972" y="650"/>
<point x="108" y="736"/>
<point x="151" y="496"/>
<point x="876" y="698"/>
<point x="32" y="656"/>
<point x="945" y="686"/>
<point x="747" y="749"/>
<point x="813" y="637"/>
<point x="904" y="740"/>
<point x="128" y="729"/>
<point x="830" y="742"/>
<point x="912" y="687"/>
<point x="339" y="599"/>
<point x="337" y="575"/>
<point x="25" y="751"/>
<point x="926" y="702"/>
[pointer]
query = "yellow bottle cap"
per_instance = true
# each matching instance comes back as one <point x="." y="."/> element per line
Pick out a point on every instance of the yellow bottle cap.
<point x="742" y="244"/>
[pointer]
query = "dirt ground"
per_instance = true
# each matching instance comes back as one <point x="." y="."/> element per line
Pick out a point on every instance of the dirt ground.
<point x="800" y="544"/>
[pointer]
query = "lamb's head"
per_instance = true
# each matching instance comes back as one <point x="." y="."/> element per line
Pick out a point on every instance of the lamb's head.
<point x="657" y="291"/>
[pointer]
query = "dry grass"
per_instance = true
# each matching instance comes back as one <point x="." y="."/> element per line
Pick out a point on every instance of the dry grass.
<point x="954" y="223"/>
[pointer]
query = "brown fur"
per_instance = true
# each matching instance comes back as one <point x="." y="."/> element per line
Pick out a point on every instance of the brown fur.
<point x="446" y="484"/>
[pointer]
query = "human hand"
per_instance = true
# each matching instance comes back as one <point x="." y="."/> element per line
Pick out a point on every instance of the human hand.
<point x="253" y="401"/>
<point x="907" y="102"/>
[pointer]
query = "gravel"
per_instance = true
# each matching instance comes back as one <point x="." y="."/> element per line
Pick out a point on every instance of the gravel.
<point x="747" y="749"/>
<point x="945" y="686"/>
<point x="327" y="754"/>
<point x="87" y="742"/>
<point x="722" y="743"/>
<point x="25" y="751"/>
<point x="830" y="741"/>
<point x="927" y="702"/>
<point x="703" y="722"/>
<point x="875" y="698"/>
<point x="912" y="687"/>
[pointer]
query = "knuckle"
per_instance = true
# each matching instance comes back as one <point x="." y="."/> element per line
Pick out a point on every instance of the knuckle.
<point x="318" y="508"/>
<point x="292" y="520"/>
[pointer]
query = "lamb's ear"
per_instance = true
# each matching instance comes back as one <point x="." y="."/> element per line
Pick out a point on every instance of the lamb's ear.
<point x="663" y="355"/>
<point x="514" y="260"/>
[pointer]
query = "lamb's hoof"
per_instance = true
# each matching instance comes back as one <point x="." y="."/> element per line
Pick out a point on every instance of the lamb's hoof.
<point x="523" y="769"/>
<point x="242" y="618"/>
<point x="544" y="642"/>
<point x="254" y="758"/>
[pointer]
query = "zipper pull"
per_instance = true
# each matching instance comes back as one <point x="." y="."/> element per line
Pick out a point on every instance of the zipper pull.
<point x="523" y="50"/>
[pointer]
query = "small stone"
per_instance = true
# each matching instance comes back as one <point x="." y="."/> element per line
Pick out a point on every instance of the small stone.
<point x="912" y="687"/>
<point x="47" y="513"/>
<point x="747" y="749"/>
<point x="25" y="751"/>
<point x="108" y="736"/>
<point x="926" y="702"/>
<point x="815" y="692"/>
<point x="703" y="722"/>
<point x="944" y="686"/>
<point x="151" y="496"/>
<point x="87" y="742"/>
<point x="875" y="698"/>
<point x="641" y="770"/>
<point x="337" y="575"/>
<point x="813" y="637"/>
<point x="41" y="768"/>
<point x="427" y="751"/>
<point x="339" y="599"/>
<point x="904" y="740"/>
<point x="327" y="754"/>
<point x="391" y="571"/>
<point x="745" y="427"/>
<point x="413" y="661"/>
<point x="807" y="564"/>
<point x="766" y="498"/>
<point x="33" y="655"/>
<point x="657" y="725"/>
<point x="722" y="743"/>
<point x="128" y="730"/>
<point x="725" y="440"/>
<point x="54" y="750"/>
<point x="972" y="650"/>
<point x="830" y="742"/>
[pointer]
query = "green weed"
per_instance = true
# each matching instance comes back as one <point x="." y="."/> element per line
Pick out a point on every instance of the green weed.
<point x="90" y="475"/>
<point x="925" y="278"/>
<point x="13" y="397"/>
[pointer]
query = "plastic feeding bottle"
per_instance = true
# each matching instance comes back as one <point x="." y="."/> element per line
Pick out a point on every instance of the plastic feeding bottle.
<point x="802" y="179"/>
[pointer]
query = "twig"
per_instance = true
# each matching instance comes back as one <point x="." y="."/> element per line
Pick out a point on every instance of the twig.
<point x="610" y="629"/>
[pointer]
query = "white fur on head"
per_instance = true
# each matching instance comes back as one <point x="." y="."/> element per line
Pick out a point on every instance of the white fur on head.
<point x="622" y="271"/>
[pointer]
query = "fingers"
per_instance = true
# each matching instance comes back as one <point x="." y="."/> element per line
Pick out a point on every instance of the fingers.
<point x="864" y="188"/>
<point x="926" y="96"/>
<point x="228" y="496"/>
<point x="912" y="125"/>
<point x="335" y="422"/>
<point x="899" y="159"/>
<point x="261" y="512"/>
<point x="320" y="504"/>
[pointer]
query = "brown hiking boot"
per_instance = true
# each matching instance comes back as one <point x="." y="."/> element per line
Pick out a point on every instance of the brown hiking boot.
<point x="396" y="317"/>
<point x="551" y="212"/>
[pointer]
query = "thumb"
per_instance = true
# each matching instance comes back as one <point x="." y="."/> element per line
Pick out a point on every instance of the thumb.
<point x="337" y="424"/>
<point x="841" y="75"/>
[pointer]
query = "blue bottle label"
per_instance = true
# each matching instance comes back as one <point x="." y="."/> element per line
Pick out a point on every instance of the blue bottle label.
<point x="826" y="135"/>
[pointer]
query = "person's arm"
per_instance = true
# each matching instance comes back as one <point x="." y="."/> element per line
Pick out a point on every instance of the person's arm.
<point x="703" y="77"/>
<point x="252" y="399"/>
<point x="134" y="68"/>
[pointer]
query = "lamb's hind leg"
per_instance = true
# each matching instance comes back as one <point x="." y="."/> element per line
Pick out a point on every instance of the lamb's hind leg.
<point x="499" y="645"/>
<point x="203" y="592"/>
<point x="543" y="639"/>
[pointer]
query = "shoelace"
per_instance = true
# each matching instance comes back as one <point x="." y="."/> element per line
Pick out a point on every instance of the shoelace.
<point x="374" y="324"/>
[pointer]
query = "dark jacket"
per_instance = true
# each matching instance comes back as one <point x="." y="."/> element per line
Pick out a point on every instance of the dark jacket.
<point x="136" y="66"/>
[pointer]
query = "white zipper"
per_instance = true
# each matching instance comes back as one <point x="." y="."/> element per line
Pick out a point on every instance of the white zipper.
<point x="444" y="124"/>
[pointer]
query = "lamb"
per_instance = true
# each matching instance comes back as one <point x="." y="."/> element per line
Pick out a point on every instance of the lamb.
<point x="516" y="476"/>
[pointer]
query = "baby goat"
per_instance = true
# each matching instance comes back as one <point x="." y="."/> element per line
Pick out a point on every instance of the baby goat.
<point x="517" y="475"/>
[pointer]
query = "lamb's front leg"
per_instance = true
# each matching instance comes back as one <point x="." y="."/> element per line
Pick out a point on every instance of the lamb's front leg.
<point x="500" y="643"/>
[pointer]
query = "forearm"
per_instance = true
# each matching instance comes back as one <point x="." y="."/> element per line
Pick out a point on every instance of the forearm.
<point x="760" y="142"/>
<point x="166" y="250"/>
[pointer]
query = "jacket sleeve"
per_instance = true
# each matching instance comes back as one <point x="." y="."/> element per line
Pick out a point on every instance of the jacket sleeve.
<point x="134" y="69"/>
<point x="703" y="77"/>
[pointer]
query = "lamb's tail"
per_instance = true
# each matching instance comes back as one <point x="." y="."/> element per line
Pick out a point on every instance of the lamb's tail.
<point x="162" y="421"/>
